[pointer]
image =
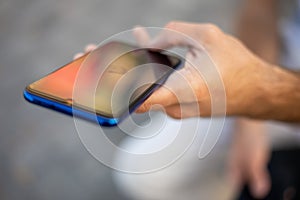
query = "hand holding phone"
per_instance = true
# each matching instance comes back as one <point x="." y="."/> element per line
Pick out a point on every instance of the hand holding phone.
<point x="107" y="83"/>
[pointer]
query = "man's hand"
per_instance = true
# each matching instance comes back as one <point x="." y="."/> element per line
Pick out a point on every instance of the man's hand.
<point x="254" y="88"/>
<point x="236" y="65"/>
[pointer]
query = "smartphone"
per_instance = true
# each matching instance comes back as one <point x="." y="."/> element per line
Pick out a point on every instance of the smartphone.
<point x="105" y="85"/>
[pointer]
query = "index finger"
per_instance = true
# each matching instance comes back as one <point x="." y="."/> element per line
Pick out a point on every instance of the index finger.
<point x="184" y="34"/>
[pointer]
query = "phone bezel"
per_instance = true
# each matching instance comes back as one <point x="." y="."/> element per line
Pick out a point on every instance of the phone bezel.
<point x="61" y="105"/>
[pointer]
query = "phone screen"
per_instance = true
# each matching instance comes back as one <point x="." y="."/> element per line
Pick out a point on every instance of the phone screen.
<point x="109" y="80"/>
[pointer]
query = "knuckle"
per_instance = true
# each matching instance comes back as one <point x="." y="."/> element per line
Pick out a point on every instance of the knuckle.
<point x="212" y="28"/>
<point x="172" y="25"/>
<point x="211" y="32"/>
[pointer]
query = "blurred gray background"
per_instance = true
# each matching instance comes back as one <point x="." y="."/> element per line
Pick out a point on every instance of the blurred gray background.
<point x="41" y="154"/>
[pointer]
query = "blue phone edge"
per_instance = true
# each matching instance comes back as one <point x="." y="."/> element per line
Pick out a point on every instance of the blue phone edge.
<point x="92" y="117"/>
<point x="69" y="110"/>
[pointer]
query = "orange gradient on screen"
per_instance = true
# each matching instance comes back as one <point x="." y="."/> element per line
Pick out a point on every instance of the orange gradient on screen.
<point x="103" y="79"/>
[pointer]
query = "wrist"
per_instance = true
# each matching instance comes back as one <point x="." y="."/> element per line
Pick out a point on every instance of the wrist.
<point x="247" y="91"/>
<point x="263" y="92"/>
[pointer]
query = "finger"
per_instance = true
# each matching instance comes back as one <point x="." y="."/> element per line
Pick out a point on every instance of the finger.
<point x="89" y="48"/>
<point x="186" y="35"/>
<point x="235" y="176"/>
<point x="141" y="35"/>
<point x="260" y="182"/>
<point x="173" y="34"/>
<point x="162" y="96"/>
<point x="234" y="166"/>
<point x="77" y="55"/>
<point x="183" y="110"/>
<point x="176" y="90"/>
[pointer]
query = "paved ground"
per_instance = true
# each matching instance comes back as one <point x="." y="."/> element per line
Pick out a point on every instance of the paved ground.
<point x="41" y="155"/>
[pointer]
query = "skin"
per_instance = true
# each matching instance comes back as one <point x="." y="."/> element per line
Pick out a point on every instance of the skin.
<point x="257" y="28"/>
<point x="254" y="87"/>
<point x="247" y="165"/>
<point x="248" y="158"/>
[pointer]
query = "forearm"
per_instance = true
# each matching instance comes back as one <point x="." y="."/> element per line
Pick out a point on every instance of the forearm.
<point x="257" y="28"/>
<point x="275" y="95"/>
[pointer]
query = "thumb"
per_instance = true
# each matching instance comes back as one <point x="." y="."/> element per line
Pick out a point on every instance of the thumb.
<point x="162" y="96"/>
<point x="235" y="176"/>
